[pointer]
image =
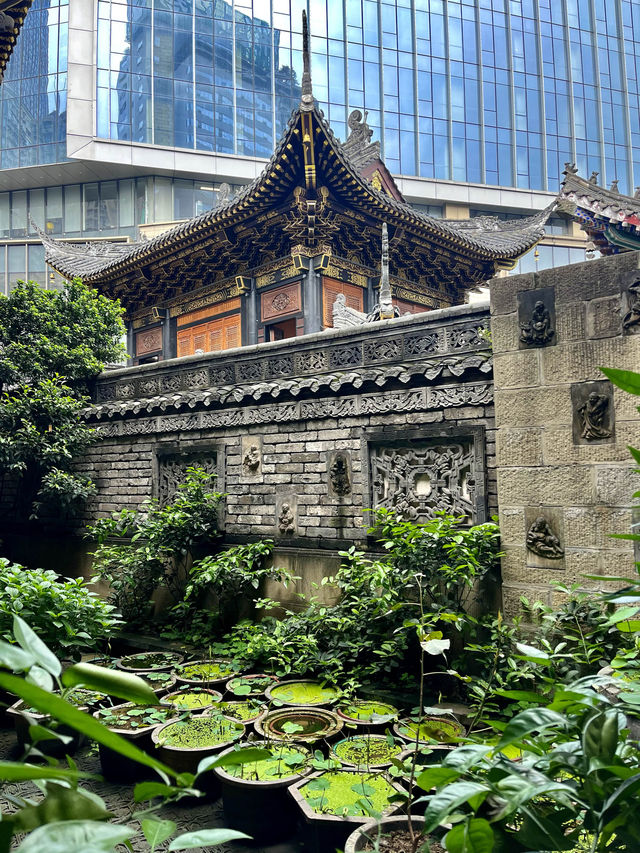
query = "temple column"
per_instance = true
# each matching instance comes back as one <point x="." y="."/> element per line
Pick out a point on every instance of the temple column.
<point x="312" y="287"/>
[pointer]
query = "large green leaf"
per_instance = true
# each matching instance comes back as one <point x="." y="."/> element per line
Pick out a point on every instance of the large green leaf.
<point x="546" y="832"/>
<point x="157" y="831"/>
<point x="75" y="836"/>
<point x="434" y="777"/>
<point x="531" y="720"/>
<point x="61" y="710"/>
<point x="60" y="804"/>
<point x="233" y="759"/>
<point x="204" y="838"/>
<point x="113" y="682"/>
<point x="14" y="771"/>
<point x="149" y="790"/>
<point x="467" y="756"/>
<point x="15" y="658"/>
<point x="446" y="801"/>
<point x="625" y="791"/>
<point x="32" y="643"/>
<point x="628" y="380"/>
<point x="473" y="836"/>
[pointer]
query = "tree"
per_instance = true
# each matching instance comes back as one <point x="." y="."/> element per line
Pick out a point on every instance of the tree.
<point x="52" y="343"/>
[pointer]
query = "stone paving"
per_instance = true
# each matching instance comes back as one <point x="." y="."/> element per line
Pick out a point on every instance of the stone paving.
<point x="119" y="800"/>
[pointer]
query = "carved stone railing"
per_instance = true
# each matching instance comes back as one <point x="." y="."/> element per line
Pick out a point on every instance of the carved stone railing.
<point x="433" y="346"/>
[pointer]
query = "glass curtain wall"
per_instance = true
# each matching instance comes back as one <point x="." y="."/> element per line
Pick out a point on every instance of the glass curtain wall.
<point x="500" y="92"/>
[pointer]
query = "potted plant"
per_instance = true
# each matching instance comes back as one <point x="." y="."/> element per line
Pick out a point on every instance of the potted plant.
<point x="142" y="662"/>
<point x="366" y="751"/>
<point x="182" y="744"/>
<point x="245" y="712"/>
<point x="365" y="714"/>
<point x="428" y="730"/>
<point x="332" y="802"/>
<point x="134" y="723"/>
<point x="192" y="699"/>
<point x="255" y="795"/>
<point x="205" y="673"/>
<point x="67" y="740"/>
<point x="159" y="682"/>
<point x="300" y="724"/>
<point x="303" y="691"/>
<point x="250" y="685"/>
<point x="391" y="835"/>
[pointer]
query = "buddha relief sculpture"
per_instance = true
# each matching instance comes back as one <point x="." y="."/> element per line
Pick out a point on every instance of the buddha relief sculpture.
<point x="537" y="331"/>
<point x="339" y="475"/>
<point x="251" y="461"/>
<point x="286" y="520"/>
<point x="632" y="317"/>
<point x="542" y="540"/>
<point x="592" y="416"/>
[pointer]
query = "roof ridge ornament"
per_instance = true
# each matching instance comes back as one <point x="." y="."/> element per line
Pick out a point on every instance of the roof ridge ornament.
<point x="386" y="303"/>
<point x="307" y="99"/>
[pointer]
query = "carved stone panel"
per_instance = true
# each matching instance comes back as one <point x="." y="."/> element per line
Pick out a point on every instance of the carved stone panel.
<point x="286" y="515"/>
<point x="593" y="413"/>
<point x="172" y="470"/>
<point x="251" y="449"/>
<point x="340" y="478"/>
<point x="537" y="318"/>
<point x="422" y="478"/>
<point x="544" y="537"/>
<point x="631" y="304"/>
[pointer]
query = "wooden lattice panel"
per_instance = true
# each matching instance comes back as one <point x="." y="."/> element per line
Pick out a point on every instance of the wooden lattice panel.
<point x="331" y="288"/>
<point x="409" y="307"/>
<point x="209" y="311"/>
<point x="214" y="336"/>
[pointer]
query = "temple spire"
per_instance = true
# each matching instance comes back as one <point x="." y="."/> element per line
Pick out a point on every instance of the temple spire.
<point x="307" y="91"/>
<point x="385" y="300"/>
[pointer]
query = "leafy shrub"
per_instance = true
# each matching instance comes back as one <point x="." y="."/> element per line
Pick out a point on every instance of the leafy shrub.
<point x="65" y="613"/>
<point x="232" y="577"/>
<point x="160" y="543"/>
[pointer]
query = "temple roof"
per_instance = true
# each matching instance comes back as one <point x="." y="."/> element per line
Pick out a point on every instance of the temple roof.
<point x="313" y="192"/>
<point x="12" y="15"/>
<point x="611" y="219"/>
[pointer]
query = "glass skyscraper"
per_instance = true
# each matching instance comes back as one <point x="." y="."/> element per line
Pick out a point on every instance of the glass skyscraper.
<point x="143" y="107"/>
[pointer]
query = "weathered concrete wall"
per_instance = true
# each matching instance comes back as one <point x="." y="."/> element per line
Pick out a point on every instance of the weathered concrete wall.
<point x="395" y="414"/>
<point x="582" y="486"/>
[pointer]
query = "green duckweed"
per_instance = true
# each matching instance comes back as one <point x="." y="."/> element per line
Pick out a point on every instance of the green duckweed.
<point x="206" y="671"/>
<point x="366" y="750"/>
<point x="250" y="685"/>
<point x="285" y="763"/>
<point x="242" y="711"/>
<point x="442" y="731"/>
<point x="190" y="700"/>
<point x="200" y="732"/>
<point x="338" y="792"/>
<point x="151" y="660"/>
<point x="370" y="712"/>
<point x="303" y="693"/>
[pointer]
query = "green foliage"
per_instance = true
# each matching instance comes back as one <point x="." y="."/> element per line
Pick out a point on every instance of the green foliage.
<point x="71" y="332"/>
<point x="159" y="545"/>
<point x="231" y="576"/>
<point x="65" y="613"/>
<point x="51" y="344"/>
<point x="69" y="817"/>
<point x="577" y="782"/>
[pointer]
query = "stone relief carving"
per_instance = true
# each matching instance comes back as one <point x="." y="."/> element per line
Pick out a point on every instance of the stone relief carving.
<point x="197" y="379"/>
<point x="172" y="470"/>
<point x="542" y="540"/>
<point x="125" y="390"/>
<point x="339" y="476"/>
<point x="383" y="350"/>
<point x="632" y="317"/>
<point x="251" y="460"/>
<point x="592" y="416"/>
<point x="344" y="316"/>
<point x="286" y="520"/>
<point x="221" y="375"/>
<point x="309" y="362"/>
<point x="282" y="366"/>
<point x="416" y="482"/>
<point x="171" y="382"/>
<point x="468" y="338"/>
<point x="537" y="330"/>
<point x="249" y="371"/>
<point x="423" y="344"/>
<point x="345" y="356"/>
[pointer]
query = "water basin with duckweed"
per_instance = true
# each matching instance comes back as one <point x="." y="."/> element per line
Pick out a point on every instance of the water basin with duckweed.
<point x="368" y="712"/>
<point x="192" y="699"/>
<point x="303" y="692"/>
<point x="146" y="661"/>
<point x="199" y="732"/>
<point x="298" y="724"/>
<point x="202" y="672"/>
<point x="429" y="730"/>
<point x="251" y="685"/>
<point x="367" y="750"/>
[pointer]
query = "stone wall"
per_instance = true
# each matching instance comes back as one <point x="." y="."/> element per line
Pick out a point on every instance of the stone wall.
<point x="306" y="434"/>
<point x="576" y="474"/>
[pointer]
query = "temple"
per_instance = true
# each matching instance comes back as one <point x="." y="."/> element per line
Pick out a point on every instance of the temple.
<point x="12" y="15"/>
<point x="270" y="262"/>
<point x="611" y="219"/>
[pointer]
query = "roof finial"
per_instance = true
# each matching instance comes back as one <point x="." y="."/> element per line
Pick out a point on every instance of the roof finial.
<point x="385" y="300"/>
<point x="307" y="91"/>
